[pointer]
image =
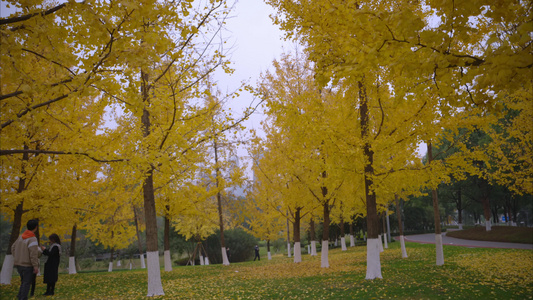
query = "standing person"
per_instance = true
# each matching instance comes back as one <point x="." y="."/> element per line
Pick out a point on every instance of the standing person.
<point x="52" y="264"/>
<point x="256" y="248"/>
<point x="26" y="254"/>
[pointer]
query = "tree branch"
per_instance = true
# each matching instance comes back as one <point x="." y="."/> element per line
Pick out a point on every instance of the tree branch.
<point x="11" y="152"/>
<point x="29" y="16"/>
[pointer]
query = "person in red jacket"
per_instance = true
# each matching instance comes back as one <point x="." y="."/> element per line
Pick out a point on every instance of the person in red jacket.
<point x="26" y="254"/>
<point x="52" y="264"/>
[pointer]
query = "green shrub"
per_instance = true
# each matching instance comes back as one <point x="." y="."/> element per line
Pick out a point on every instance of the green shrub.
<point x="240" y="243"/>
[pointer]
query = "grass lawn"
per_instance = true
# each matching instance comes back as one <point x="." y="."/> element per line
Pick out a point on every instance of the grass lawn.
<point x="468" y="273"/>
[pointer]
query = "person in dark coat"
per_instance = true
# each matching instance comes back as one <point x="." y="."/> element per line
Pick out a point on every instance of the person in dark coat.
<point x="52" y="264"/>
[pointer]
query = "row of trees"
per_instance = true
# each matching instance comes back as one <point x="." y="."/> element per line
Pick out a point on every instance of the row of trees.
<point x="378" y="79"/>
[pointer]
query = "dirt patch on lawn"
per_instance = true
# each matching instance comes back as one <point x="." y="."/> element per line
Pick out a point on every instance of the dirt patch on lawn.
<point x="506" y="234"/>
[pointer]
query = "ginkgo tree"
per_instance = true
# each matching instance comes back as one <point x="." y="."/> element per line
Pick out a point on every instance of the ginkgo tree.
<point x="226" y="171"/>
<point x="200" y="218"/>
<point x="509" y="150"/>
<point x="261" y="211"/>
<point x="40" y="179"/>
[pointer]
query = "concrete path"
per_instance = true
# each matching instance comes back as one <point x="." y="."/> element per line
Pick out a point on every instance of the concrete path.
<point x="430" y="239"/>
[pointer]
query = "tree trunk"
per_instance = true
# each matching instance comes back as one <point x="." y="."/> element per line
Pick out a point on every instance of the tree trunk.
<point x="343" y="239"/>
<point x="494" y="211"/>
<point x="200" y="250"/>
<point x="514" y="211"/>
<point x="141" y="252"/>
<point x="72" y="254"/>
<point x="324" y="262"/>
<point x="110" y="269"/>
<point x="373" y="264"/>
<point x="400" y="226"/>
<point x="385" y="231"/>
<point x="155" y="287"/>
<point x="438" y="233"/>
<point x="167" y="256"/>
<point x="7" y="266"/>
<point x="388" y="224"/>
<point x="268" y="250"/>
<point x="352" y="237"/>
<point x="225" y="258"/>
<point x="460" y="208"/>
<point x="486" y="211"/>
<point x="296" y="234"/>
<point x="288" y="239"/>
<point x="313" y="237"/>
<point x="508" y="209"/>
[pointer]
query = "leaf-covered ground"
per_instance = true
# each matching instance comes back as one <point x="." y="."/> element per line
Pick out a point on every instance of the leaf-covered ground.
<point x="468" y="273"/>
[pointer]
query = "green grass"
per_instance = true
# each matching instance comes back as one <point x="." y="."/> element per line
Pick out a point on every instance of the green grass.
<point x="468" y="273"/>
<point x="506" y="234"/>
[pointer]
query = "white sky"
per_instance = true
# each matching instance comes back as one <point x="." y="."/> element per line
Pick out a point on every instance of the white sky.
<point x="256" y="43"/>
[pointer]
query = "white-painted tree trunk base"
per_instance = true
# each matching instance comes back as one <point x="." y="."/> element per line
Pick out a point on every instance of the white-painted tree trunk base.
<point x="380" y="243"/>
<point x="386" y="241"/>
<point x="460" y="226"/>
<point x="119" y="263"/>
<point x="488" y="225"/>
<point x="297" y="252"/>
<point x="364" y="237"/>
<point x="336" y="242"/>
<point x="308" y="249"/>
<point x="343" y="244"/>
<point x="313" y="248"/>
<point x="373" y="264"/>
<point x="131" y="266"/>
<point x="324" y="261"/>
<point x="72" y="265"/>
<point x="269" y="256"/>
<point x="402" y="243"/>
<point x="225" y="260"/>
<point x="206" y="261"/>
<point x="155" y="288"/>
<point x="352" y="240"/>
<point x="201" y="260"/>
<point x="289" y="249"/>
<point x="7" y="269"/>
<point x="143" y="265"/>
<point x="110" y="268"/>
<point x="439" y="249"/>
<point x="168" y="261"/>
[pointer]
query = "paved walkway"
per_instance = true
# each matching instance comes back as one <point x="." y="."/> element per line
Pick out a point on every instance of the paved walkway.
<point x="430" y="239"/>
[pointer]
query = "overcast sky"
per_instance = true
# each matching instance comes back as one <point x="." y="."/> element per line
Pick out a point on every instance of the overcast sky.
<point x="256" y="43"/>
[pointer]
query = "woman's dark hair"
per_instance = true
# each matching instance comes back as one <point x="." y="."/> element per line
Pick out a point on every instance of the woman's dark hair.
<point x="54" y="238"/>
